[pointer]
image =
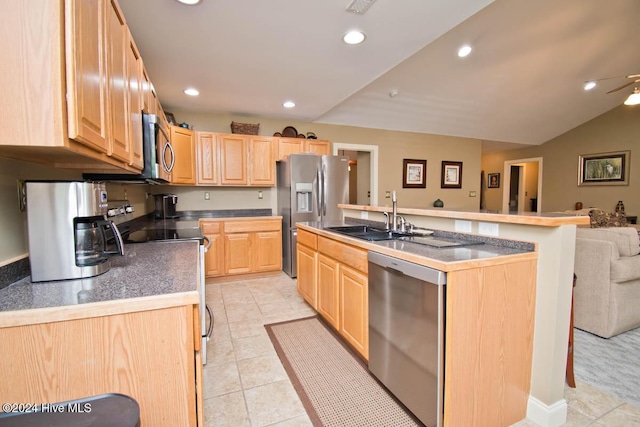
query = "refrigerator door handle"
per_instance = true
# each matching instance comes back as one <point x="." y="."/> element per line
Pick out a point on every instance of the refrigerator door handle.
<point x="324" y="190"/>
<point x="319" y="192"/>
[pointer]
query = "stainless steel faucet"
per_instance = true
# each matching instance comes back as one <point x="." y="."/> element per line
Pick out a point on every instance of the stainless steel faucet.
<point x="394" y="200"/>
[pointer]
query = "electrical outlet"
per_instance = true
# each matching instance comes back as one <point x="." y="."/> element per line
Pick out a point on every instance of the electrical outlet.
<point x="472" y="194"/>
<point x="463" y="226"/>
<point x="22" y="195"/>
<point x="488" y="228"/>
<point x="387" y="194"/>
<point x="259" y="194"/>
<point x="364" y="214"/>
<point x="207" y="196"/>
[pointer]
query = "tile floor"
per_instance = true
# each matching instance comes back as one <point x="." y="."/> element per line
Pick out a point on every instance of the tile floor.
<point x="246" y="385"/>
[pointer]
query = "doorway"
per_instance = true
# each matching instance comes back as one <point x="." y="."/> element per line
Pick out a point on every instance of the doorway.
<point x="525" y="185"/>
<point x="365" y="172"/>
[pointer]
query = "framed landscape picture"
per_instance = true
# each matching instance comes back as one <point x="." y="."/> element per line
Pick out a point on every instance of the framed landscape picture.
<point x="451" y="175"/>
<point x="414" y="173"/>
<point x="494" y="180"/>
<point x="604" y="168"/>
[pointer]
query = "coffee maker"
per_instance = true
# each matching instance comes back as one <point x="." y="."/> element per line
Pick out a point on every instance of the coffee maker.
<point x="166" y="206"/>
<point x="68" y="230"/>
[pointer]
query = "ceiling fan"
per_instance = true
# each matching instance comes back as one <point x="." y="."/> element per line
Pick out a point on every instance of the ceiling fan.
<point x="633" y="99"/>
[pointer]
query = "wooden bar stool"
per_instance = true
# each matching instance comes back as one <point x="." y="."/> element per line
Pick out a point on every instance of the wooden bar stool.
<point x="571" y="381"/>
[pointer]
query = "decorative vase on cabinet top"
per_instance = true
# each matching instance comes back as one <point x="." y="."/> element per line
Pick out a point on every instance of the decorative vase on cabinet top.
<point x="438" y="203"/>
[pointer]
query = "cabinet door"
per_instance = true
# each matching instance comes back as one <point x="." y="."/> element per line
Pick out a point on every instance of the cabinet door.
<point x="288" y="146"/>
<point x="237" y="253"/>
<point x="268" y="251"/>
<point x="354" y="313"/>
<point x="183" y="143"/>
<point x="233" y="159"/>
<point x="328" y="290"/>
<point x="307" y="275"/>
<point x="317" y="146"/>
<point x="207" y="158"/>
<point x="117" y="72"/>
<point x="134" y="93"/>
<point x="86" y="71"/>
<point x="214" y="257"/>
<point x="262" y="162"/>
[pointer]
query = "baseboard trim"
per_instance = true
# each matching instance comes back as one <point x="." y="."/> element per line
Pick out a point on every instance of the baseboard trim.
<point x="547" y="415"/>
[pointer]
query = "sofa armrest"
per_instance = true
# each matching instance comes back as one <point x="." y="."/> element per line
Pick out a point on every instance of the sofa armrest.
<point x="625" y="268"/>
<point x="592" y="294"/>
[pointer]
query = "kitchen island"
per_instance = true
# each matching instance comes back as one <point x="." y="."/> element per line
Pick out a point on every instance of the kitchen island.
<point x="554" y="236"/>
<point x="132" y="330"/>
<point x="487" y="364"/>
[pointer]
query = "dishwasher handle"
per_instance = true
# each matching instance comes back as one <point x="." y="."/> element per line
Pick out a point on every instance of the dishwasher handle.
<point x="421" y="272"/>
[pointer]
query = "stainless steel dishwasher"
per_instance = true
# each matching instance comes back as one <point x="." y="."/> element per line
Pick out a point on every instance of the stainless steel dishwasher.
<point x="406" y="333"/>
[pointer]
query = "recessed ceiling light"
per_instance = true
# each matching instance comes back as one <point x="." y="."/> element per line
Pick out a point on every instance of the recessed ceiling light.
<point x="289" y="104"/>
<point x="191" y="92"/>
<point x="353" y="37"/>
<point x="189" y="2"/>
<point x="589" y="85"/>
<point x="464" y="51"/>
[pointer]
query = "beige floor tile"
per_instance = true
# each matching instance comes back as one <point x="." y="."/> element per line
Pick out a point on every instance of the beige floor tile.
<point x="272" y="403"/>
<point x="219" y="316"/>
<point x="220" y="353"/>
<point x="525" y="423"/>
<point x="228" y="410"/>
<point x="259" y="345"/>
<point x="275" y="308"/>
<point x="246" y="329"/>
<point x="624" y="415"/>
<point x="302" y="421"/>
<point x="221" y="379"/>
<point x="260" y="370"/>
<point x="220" y="332"/>
<point x="590" y="401"/>
<point x="575" y="418"/>
<point x="248" y="313"/>
<point x="283" y="317"/>
<point x="272" y="296"/>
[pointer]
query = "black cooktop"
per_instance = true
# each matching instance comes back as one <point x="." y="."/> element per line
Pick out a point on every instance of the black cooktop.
<point x="148" y="235"/>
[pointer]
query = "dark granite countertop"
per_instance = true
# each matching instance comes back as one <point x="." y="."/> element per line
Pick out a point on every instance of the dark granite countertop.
<point x="147" y="270"/>
<point x="491" y="247"/>
<point x="223" y="213"/>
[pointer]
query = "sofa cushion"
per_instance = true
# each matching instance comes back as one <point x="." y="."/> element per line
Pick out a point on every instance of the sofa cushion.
<point x="625" y="269"/>
<point x="600" y="218"/>
<point x="625" y="238"/>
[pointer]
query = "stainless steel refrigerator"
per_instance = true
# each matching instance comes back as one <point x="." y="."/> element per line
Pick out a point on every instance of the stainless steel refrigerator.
<point x="310" y="187"/>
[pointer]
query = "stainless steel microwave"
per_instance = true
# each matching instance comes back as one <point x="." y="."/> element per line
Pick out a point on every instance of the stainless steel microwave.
<point x="158" y="155"/>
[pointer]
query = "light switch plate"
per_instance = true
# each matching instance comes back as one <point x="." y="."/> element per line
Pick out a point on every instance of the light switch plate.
<point x="488" y="228"/>
<point x="259" y="194"/>
<point x="207" y="196"/>
<point x="463" y="226"/>
<point x="472" y="194"/>
<point x="364" y="214"/>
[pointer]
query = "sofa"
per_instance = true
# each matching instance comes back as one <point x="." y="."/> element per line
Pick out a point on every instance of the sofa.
<point x="607" y="292"/>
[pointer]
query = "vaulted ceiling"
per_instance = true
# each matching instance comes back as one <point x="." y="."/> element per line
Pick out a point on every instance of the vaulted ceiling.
<point x="522" y="83"/>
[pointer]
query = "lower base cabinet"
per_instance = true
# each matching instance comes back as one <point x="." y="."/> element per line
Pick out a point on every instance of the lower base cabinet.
<point x="243" y="246"/>
<point x="354" y="317"/>
<point x="152" y="356"/>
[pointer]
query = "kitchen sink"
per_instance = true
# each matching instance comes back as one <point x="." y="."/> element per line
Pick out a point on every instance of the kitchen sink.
<point x="366" y="232"/>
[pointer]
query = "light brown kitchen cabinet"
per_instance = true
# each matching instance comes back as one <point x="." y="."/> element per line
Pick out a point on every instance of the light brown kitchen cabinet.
<point x="329" y="290"/>
<point x="307" y="276"/>
<point x="86" y="70"/>
<point x="243" y="246"/>
<point x="117" y="76"/>
<point x="214" y="257"/>
<point x="66" y="92"/>
<point x="354" y="312"/>
<point x="233" y="159"/>
<point x="184" y="146"/>
<point x="287" y="146"/>
<point x="262" y="161"/>
<point x="207" y="159"/>
<point x="151" y="356"/>
<point x="134" y="102"/>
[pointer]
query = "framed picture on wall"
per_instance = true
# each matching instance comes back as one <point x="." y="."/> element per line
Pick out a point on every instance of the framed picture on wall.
<point x="451" y="175"/>
<point x="604" y="168"/>
<point x="414" y="173"/>
<point x="494" y="180"/>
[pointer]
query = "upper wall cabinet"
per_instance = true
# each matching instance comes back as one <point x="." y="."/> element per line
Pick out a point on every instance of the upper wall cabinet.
<point x="71" y="93"/>
<point x="235" y="160"/>
<point x="288" y="146"/>
<point x="184" y="146"/>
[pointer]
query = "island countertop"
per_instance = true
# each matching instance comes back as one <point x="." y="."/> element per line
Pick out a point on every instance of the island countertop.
<point x="151" y="275"/>
<point x="444" y="259"/>
<point x="549" y="219"/>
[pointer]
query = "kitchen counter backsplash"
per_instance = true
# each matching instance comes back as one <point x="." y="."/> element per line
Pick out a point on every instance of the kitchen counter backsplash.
<point x="223" y="213"/>
<point x="13" y="272"/>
